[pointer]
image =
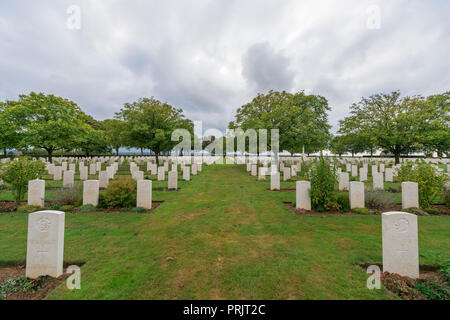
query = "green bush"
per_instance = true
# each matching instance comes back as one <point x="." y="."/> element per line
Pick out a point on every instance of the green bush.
<point x="323" y="181"/>
<point x="139" y="210"/>
<point x="433" y="290"/>
<point x="121" y="193"/>
<point x="447" y="198"/>
<point x="343" y="201"/>
<point x="431" y="182"/>
<point x="18" y="172"/>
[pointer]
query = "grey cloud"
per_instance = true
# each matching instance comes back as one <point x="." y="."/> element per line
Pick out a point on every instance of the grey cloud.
<point x="267" y="69"/>
<point x="209" y="58"/>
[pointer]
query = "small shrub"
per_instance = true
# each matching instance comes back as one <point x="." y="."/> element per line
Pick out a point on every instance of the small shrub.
<point x="121" y="193"/>
<point x="378" y="199"/>
<point x="125" y="209"/>
<point x="69" y="196"/>
<point x="87" y="208"/>
<point x="431" y="182"/>
<point x="21" y="284"/>
<point x="433" y="290"/>
<point x="139" y="210"/>
<point x="17" y="173"/>
<point x="28" y="209"/>
<point x="323" y="181"/>
<point x="66" y="208"/>
<point x="343" y="200"/>
<point x="447" y="198"/>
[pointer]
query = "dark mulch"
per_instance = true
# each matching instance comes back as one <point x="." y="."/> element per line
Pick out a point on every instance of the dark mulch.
<point x="47" y="283"/>
<point x="304" y="212"/>
<point x="7" y="206"/>
<point x="405" y="287"/>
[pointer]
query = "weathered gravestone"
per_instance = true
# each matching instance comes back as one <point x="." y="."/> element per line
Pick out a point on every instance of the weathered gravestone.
<point x="144" y="194"/>
<point x="410" y="195"/>
<point x="45" y="244"/>
<point x="36" y="193"/>
<point x="161" y="173"/>
<point x="90" y="192"/>
<point x="343" y="181"/>
<point x="400" y="244"/>
<point x="68" y="180"/>
<point x="103" y="179"/>
<point x="173" y="180"/>
<point x="378" y="183"/>
<point x="303" y="199"/>
<point x="275" y="181"/>
<point x="356" y="194"/>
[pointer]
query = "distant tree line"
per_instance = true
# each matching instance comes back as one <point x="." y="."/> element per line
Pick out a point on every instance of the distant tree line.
<point x="399" y="125"/>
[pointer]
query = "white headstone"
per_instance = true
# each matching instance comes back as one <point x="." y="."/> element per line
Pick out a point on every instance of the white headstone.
<point x="275" y="181"/>
<point x="410" y="195"/>
<point x="343" y="181"/>
<point x="400" y="244"/>
<point x="90" y="192"/>
<point x="45" y="244"/>
<point x="68" y="180"/>
<point x="378" y="183"/>
<point x="356" y="194"/>
<point x="161" y="174"/>
<point x="144" y="194"/>
<point x="57" y="173"/>
<point x="36" y="193"/>
<point x="103" y="179"/>
<point x="173" y="180"/>
<point x="303" y="199"/>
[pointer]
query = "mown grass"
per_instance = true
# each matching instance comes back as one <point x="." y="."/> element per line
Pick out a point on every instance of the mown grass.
<point x="223" y="236"/>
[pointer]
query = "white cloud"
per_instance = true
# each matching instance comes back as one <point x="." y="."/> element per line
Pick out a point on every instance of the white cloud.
<point x="210" y="57"/>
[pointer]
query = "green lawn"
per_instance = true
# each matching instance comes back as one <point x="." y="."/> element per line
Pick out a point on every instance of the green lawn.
<point x="223" y="236"/>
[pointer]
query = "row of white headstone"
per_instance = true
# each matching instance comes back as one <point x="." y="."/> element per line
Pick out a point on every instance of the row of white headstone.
<point x="91" y="191"/>
<point x="45" y="243"/>
<point x="410" y="195"/>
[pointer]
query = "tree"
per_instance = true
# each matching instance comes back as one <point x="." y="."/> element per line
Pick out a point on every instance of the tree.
<point x="302" y="119"/>
<point x="52" y="123"/>
<point x="338" y="145"/>
<point x="435" y="124"/>
<point x="149" y="124"/>
<point x="10" y="135"/>
<point x="392" y="122"/>
<point x="115" y="133"/>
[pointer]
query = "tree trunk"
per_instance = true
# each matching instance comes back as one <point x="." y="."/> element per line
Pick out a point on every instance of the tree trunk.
<point x="142" y="151"/>
<point x="5" y="152"/>
<point x="50" y="155"/>
<point x="117" y="150"/>
<point x="397" y="157"/>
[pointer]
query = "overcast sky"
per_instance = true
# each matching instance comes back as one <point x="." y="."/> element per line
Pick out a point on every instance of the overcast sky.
<point x="209" y="57"/>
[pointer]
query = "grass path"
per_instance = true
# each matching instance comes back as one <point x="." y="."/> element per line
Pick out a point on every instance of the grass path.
<point x="223" y="236"/>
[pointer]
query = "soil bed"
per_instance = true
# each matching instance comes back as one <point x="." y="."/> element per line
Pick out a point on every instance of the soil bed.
<point x="47" y="284"/>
